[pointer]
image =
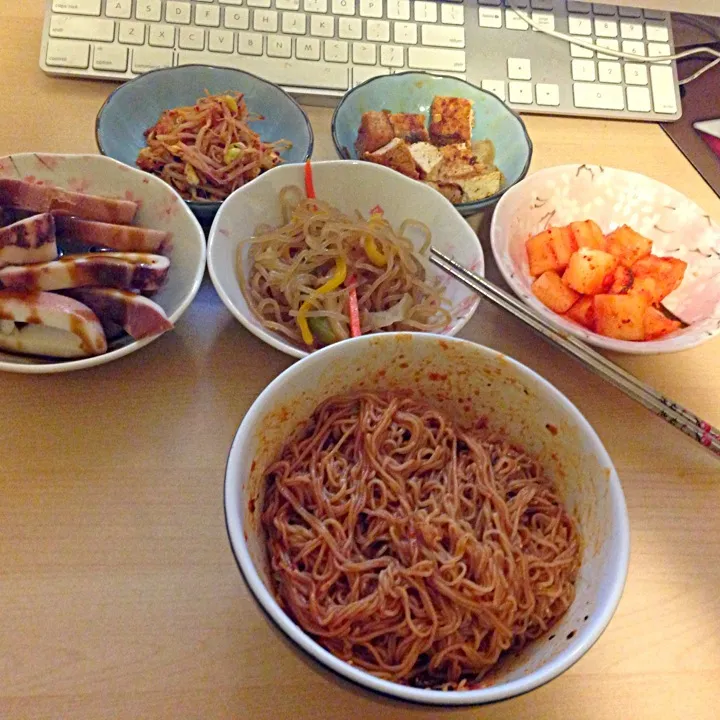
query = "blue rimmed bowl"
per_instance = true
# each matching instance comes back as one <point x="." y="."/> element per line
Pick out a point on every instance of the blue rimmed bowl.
<point x="413" y="92"/>
<point x="137" y="105"/>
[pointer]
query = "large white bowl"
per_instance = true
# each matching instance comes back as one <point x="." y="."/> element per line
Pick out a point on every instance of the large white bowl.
<point x="676" y="225"/>
<point x="517" y="401"/>
<point x="349" y="186"/>
<point x="161" y="208"/>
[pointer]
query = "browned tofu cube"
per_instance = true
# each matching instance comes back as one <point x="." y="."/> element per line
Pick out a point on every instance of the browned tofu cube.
<point x="590" y="272"/>
<point x="451" y="191"/>
<point x="621" y="316"/>
<point x="396" y="155"/>
<point x="375" y="131"/>
<point x="451" y="120"/>
<point x="410" y="127"/>
<point x="552" y="292"/>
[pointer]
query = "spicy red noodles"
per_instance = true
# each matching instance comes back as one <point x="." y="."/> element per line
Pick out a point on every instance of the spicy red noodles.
<point x="411" y="548"/>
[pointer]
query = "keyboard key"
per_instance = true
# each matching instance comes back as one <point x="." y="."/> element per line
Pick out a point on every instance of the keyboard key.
<point x="452" y="14"/>
<point x="545" y="20"/>
<point x="633" y="47"/>
<point x="490" y="17"/>
<point x="496" y="87"/>
<point x="405" y="33"/>
<point x="631" y="12"/>
<point x="150" y="10"/>
<point x="398" y="9"/>
<point x="250" y="43"/>
<point x="610" y="44"/>
<point x="121" y="9"/>
<point x="583" y="70"/>
<point x="578" y="6"/>
<point x="336" y="51"/>
<point x="229" y="2"/>
<point x="541" y="4"/>
<point x="75" y="27"/>
<point x="372" y="8"/>
<point x="378" y="30"/>
<point x="207" y="16"/>
<point x="322" y="26"/>
<point x="162" y="35"/>
<point x="364" y="53"/>
<point x="307" y="48"/>
<point x="343" y="7"/>
<point x="237" y="19"/>
<point x="663" y="89"/>
<point x="654" y="14"/>
<point x="442" y="36"/>
<point x="638" y="99"/>
<point x="350" y="28"/>
<point x="610" y="72"/>
<point x="514" y="22"/>
<point x="315" y="6"/>
<point x="519" y="69"/>
<point x="495" y="3"/>
<point x="68" y="53"/>
<point x="656" y="50"/>
<point x="191" y="38"/>
<point x="177" y="12"/>
<point x="294" y="73"/>
<point x="264" y="4"/>
<point x="287" y="4"/>
<point x="520" y="92"/>
<point x="361" y="74"/>
<point x="631" y="30"/>
<point x="279" y="46"/>
<point x="656" y="32"/>
<point x="606" y="28"/>
<point x="420" y="58"/>
<point x="77" y="7"/>
<point x="596" y="96"/>
<point x="110" y="57"/>
<point x="579" y="25"/>
<point x="547" y="94"/>
<point x="425" y="11"/>
<point x="221" y="41"/>
<point x="132" y="33"/>
<point x="603" y="9"/>
<point x="392" y="56"/>
<point x="266" y="20"/>
<point x="147" y="58"/>
<point x="636" y="73"/>
<point x="580" y="52"/>
<point x="294" y="23"/>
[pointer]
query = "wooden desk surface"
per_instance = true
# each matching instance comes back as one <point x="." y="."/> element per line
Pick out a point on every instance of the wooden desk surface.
<point x="119" y="596"/>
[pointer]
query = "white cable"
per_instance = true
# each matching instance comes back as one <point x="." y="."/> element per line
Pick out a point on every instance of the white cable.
<point x="576" y="40"/>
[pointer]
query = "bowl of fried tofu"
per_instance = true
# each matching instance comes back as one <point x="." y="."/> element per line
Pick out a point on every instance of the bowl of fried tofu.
<point x="615" y="258"/>
<point x="439" y="130"/>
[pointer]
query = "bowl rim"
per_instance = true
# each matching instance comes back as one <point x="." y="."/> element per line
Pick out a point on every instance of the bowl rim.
<point x="275" y="340"/>
<point x="268" y="604"/>
<point x="473" y="205"/>
<point x="47" y="368"/>
<point x="196" y="205"/>
<point x="499" y="245"/>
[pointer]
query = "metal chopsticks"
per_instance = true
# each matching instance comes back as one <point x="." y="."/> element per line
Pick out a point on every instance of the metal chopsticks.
<point x="671" y="412"/>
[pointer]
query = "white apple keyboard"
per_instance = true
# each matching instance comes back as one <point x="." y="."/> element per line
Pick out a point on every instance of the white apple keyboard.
<point x="318" y="49"/>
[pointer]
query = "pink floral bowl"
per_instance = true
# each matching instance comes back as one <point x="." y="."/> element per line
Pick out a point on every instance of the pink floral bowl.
<point x="675" y="224"/>
<point x="348" y="185"/>
<point x="160" y="208"/>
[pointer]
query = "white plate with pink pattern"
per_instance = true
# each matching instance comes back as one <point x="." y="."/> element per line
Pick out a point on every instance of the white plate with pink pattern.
<point x="348" y="185"/>
<point x="676" y="225"/>
<point x="160" y="208"/>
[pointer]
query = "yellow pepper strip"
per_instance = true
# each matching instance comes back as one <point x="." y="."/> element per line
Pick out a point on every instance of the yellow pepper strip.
<point x="374" y="253"/>
<point x="337" y="279"/>
<point x="191" y="175"/>
<point x="230" y="101"/>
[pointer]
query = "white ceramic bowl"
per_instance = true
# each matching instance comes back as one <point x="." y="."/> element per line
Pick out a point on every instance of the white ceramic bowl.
<point x="161" y="208"/>
<point x="515" y="399"/>
<point x="347" y="185"/>
<point x="611" y="197"/>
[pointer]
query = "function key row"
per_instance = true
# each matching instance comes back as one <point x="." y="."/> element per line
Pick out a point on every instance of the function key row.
<point x="577" y="6"/>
